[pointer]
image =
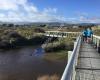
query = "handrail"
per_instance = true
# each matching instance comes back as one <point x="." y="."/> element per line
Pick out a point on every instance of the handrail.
<point x="61" y="32"/>
<point x="68" y="72"/>
<point x="98" y="37"/>
<point x="96" y="41"/>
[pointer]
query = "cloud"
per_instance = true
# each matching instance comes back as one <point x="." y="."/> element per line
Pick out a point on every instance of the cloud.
<point x="7" y="5"/>
<point x="83" y="17"/>
<point x="78" y="13"/>
<point x="22" y="10"/>
<point x="89" y="19"/>
<point x="50" y="10"/>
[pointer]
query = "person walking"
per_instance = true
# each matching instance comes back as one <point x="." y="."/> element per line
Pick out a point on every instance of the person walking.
<point x="84" y="35"/>
<point x="89" y="35"/>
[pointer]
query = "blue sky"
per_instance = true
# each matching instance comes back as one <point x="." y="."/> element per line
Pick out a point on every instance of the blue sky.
<point x="70" y="7"/>
<point x="50" y="11"/>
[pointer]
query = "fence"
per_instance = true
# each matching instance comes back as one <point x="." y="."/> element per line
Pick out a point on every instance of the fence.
<point x="62" y="34"/>
<point x="69" y="72"/>
<point x="96" y="42"/>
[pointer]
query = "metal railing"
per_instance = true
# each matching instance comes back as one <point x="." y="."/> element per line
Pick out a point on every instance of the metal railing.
<point x="69" y="72"/>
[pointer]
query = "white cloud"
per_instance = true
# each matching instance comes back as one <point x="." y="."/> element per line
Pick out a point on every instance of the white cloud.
<point x="50" y="10"/>
<point x="22" y="10"/>
<point x="7" y="5"/>
<point x="2" y="15"/>
<point x="89" y="20"/>
<point x="81" y="13"/>
<point x="84" y="17"/>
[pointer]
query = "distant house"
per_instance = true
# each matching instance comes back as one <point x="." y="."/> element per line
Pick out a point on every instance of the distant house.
<point x="75" y="26"/>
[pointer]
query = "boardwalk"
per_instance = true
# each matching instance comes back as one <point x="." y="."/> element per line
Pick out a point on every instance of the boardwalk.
<point x="88" y="64"/>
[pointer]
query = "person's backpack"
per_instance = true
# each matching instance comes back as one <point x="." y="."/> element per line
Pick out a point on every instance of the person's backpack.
<point x="85" y="33"/>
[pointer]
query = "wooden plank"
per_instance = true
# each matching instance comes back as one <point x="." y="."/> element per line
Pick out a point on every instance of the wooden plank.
<point x="89" y="62"/>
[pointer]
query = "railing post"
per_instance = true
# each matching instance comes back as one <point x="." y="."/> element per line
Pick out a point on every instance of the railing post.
<point x="75" y="44"/>
<point x="99" y="47"/>
<point x="74" y="72"/>
<point x="93" y="39"/>
<point x="49" y="34"/>
<point x="69" y="54"/>
<point x="97" y="44"/>
<point x="75" y="63"/>
<point x="96" y="40"/>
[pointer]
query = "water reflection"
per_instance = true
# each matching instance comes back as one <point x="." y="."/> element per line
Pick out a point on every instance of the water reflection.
<point x="19" y="65"/>
<point x="38" y="52"/>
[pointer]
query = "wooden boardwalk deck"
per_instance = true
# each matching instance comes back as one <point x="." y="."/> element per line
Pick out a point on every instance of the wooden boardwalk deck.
<point x="88" y="64"/>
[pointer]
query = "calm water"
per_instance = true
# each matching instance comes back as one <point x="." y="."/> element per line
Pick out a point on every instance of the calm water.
<point x="27" y="64"/>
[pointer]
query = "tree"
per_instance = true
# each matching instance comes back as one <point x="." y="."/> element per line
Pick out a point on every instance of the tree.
<point x="11" y="25"/>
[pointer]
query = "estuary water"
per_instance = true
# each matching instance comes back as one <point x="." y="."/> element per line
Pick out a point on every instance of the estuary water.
<point x="27" y="63"/>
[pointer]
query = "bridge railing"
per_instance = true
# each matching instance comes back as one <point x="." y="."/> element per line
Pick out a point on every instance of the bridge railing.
<point x="61" y="34"/>
<point x="96" y="41"/>
<point x="69" y="72"/>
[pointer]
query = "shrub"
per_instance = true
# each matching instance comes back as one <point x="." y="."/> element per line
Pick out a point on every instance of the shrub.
<point x="59" y="45"/>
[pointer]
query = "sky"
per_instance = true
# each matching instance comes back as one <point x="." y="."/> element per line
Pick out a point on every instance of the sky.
<point x="74" y="11"/>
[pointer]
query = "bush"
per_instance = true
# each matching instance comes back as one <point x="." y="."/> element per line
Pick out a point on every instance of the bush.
<point x="59" y="45"/>
<point x="39" y="30"/>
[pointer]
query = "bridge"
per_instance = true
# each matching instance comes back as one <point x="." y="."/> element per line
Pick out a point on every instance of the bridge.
<point x="84" y="60"/>
<point x="61" y="34"/>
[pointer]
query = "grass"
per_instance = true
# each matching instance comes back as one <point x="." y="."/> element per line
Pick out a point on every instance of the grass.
<point x="61" y="44"/>
<point x="23" y="31"/>
<point x="97" y="32"/>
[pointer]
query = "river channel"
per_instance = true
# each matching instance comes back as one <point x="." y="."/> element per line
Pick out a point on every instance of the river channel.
<point x="27" y="63"/>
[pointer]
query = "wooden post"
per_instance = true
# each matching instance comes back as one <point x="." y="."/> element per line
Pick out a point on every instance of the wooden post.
<point x="69" y="54"/>
<point x="75" y="63"/>
<point x="97" y="44"/>
<point x="74" y="72"/>
<point x="75" y="44"/>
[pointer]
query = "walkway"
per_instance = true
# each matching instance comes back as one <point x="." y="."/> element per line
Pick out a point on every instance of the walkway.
<point x="88" y="64"/>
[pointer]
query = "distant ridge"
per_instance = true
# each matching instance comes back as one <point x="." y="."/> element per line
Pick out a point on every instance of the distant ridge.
<point x="49" y="23"/>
